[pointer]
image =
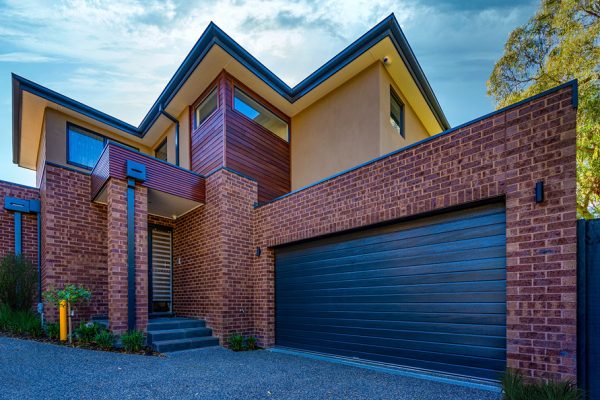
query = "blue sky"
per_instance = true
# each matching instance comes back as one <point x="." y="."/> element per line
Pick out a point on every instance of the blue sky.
<point x="117" y="56"/>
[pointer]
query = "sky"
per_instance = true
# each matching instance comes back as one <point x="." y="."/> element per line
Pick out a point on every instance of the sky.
<point x="117" y="56"/>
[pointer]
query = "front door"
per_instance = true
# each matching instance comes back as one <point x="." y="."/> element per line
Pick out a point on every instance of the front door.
<point x="161" y="267"/>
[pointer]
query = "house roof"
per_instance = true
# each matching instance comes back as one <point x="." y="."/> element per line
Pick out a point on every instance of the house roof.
<point x="213" y="36"/>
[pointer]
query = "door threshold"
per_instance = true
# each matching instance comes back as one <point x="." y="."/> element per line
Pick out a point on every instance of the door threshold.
<point x="459" y="380"/>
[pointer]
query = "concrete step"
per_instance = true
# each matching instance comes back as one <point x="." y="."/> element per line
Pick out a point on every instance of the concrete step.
<point x="172" y="334"/>
<point x="163" y="324"/>
<point x="165" y="346"/>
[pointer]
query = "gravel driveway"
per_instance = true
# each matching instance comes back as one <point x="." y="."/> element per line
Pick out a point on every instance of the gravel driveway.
<point x="32" y="370"/>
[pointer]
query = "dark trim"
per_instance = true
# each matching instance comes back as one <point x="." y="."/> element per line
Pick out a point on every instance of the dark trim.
<point x="53" y="164"/>
<point x="212" y="36"/>
<point x="19" y="184"/>
<point x="233" y="171"/>
<point x="408" y="218"/>
<point x="572" y="84"/>
<point x="131" y="299"/>
<point x="18" y="233"/>
<point x="39" y="258"/>
<point x="394" y="96"/>
<point x="582" y="347"/>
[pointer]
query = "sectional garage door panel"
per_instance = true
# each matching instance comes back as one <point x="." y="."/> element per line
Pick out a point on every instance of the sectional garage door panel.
<point x="429" y="293"/>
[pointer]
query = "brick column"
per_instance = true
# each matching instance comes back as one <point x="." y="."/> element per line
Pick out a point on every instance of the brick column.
<point x="213" y="249"/>
<point x="117" y="255"/>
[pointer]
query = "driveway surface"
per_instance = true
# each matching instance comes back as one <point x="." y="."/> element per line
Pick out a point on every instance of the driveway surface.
<point x="32" y="370"/>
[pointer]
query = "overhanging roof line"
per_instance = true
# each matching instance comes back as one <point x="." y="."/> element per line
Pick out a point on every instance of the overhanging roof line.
<point x="213" y="35"/>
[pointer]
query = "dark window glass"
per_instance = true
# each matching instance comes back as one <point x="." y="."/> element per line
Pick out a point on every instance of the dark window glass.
<point x="84" y="148"/>
<point x="396" y="113"/>
<point x="259" y="114"/>
<point x="161" y="151"/>
<point x="206" y="108"/>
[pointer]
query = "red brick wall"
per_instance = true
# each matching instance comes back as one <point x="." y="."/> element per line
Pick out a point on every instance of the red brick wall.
<point x="28" y="222"/>
<point x="213" y="255"/>
<point x="117" y="255"/>
<point x="503" y="155"/>
<point x="73" y="238"/>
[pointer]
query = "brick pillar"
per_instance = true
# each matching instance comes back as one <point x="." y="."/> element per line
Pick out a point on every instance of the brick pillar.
<point x="117" y="255"/>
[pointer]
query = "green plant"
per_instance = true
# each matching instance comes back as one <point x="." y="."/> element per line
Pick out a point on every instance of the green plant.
<point x="105" y="340"/>
<point x="87" y="331"/>
<point x="71" y="295"/>
<point x="251" y="343"/>
<point x="52" y="330"/>
<point x="236" y="342"/>
<point x="133" y="341"/>
<point x="516" y="388"/>
<point x="20" y="322"/>
<point x="18" y="278"/>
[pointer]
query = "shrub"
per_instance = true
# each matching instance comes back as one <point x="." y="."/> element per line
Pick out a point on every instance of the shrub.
<point x="133" y="341"/>
<point x="105" y="340"/>
<point x="236" y="342"/>
<point x="20" y="322"/>
<point x="251" y="343"/>
<point x="18" y="279"/>
<point x="87" y="331"/>
<point x="52" y="330"/>
<point x="515" y="388"/>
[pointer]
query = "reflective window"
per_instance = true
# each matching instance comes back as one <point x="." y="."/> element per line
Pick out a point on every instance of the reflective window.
<point x="396" y="112"/>
<point x="259" y="114"/>
<point x="161" y="151"/>
<point x="206" y="108"/>
<point x="83" y="147"/>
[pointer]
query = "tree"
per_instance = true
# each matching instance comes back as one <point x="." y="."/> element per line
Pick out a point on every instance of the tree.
<point x="559" y="43"/>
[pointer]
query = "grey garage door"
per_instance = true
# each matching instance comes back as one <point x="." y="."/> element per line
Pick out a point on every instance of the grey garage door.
<point x="429" y="294"/>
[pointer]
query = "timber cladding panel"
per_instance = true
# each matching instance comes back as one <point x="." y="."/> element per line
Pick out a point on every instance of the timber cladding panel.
<point x="162" y="176"/>
<point x="228" y="138"/>
<point x="28" y="222"/>
<point x="501" y="156"/>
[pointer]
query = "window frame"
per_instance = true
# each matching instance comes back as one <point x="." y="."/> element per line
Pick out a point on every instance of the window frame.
<point x="214" y="88"/>
<point x="265" y="106"/>
<point x="163" y="142"/>
<point x="105" y="141"/>
<point x="394" y="96"/>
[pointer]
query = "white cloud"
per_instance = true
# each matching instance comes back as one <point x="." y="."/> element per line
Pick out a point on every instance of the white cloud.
<point x="119" y="55"/>
<point x="20" y="57"/>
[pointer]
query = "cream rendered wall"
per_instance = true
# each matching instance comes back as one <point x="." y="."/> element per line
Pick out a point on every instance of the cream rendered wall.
<point x="349" y="126"/>
<point x="414" y="130"/>
<point x="337" y="132"/>
<point x="54" y="137"/>
<point x="184" y="140"/>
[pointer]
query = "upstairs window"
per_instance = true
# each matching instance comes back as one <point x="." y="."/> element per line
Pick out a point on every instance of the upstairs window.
<point x="396" y="112"/>
<point x="161" y="151"/>
<point x="83" y="147"/>
<point x="206" y="108"/>
<point x="259" y="114"/>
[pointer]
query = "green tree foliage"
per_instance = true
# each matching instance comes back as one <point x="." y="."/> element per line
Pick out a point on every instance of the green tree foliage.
<point x="559" y="43"/>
